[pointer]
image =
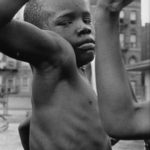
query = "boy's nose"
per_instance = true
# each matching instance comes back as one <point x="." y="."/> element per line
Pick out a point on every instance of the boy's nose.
<point x="84" y="30"/>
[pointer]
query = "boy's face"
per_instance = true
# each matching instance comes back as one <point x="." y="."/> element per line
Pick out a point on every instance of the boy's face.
<point x="72" y="20"/>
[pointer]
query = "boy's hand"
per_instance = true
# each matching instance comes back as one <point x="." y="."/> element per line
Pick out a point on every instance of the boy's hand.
<point x="113" y="5"/>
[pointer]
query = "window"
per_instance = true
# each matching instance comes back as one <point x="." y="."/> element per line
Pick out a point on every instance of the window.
<point x="122" y="15"/>
<point x="133" y="85"/>
<point x="132" y="60"/>
<point x="11" y="85"/>
<point x="122" y="39"/>
<point x="133" y="17"/>
<point x="11" y="63"/>
<point x="25" y="82"/>
<point x="24" y="65"/>
<point x="1" y="80"/>
<point x="133" y="40"/>
<point x="1" y="56"/>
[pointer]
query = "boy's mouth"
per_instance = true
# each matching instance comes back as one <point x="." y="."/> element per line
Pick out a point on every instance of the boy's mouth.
<point x="87" y="45"/>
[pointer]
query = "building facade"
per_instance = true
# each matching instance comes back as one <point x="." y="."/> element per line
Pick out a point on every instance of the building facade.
<point x="15" y="76"/>
<point x="146" y="58"/>
<point x="130" y="41"/>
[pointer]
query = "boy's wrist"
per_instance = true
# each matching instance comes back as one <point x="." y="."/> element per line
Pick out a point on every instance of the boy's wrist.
<point x="107" y="12"/>
<point x="108" y="7"/>
<point x="103" y="17"/>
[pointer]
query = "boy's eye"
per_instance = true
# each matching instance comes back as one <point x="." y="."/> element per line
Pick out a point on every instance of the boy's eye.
<point x="87" y="20"/>
<point x="64" y="22"/>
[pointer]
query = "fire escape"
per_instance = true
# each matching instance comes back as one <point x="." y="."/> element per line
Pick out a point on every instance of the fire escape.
<point x="8" y="70"/>
<point x="123" y="23"/>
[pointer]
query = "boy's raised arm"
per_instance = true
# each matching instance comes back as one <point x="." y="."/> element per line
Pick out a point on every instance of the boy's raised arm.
<point x="25" y="41"/>
<point x="122" y="116"/>
<point x="8" y="8"/>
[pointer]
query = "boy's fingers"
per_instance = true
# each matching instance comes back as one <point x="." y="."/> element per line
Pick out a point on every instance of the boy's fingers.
<point x="115" y="5"/>
<point x="121" y="4"/>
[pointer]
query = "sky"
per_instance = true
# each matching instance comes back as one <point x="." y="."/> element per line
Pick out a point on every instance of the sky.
<point x="145" y="11"/>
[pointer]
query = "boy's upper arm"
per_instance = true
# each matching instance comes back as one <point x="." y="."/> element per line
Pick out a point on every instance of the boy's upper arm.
<point x="26" y="42"/>
<point x="133" y="124"/>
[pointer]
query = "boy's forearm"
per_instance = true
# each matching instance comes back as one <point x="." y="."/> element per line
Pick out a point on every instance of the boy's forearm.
<point x="112" y="83"/>
<point x="8" y="8"/>
<point x="108" y="46"/>
<point x="109" y="67"/>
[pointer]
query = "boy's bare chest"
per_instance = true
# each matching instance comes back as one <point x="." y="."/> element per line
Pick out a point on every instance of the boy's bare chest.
<point x="71" y="116"/>
<point x="71" y="121"/>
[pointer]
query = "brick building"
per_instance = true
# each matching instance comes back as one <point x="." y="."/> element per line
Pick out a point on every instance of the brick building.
<point x="15" y="76"/>
<point x="130" y="40"/>
<point x="144" y="65"/>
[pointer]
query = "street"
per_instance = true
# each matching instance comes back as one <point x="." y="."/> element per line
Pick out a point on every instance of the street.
<point x="9" y="139"/>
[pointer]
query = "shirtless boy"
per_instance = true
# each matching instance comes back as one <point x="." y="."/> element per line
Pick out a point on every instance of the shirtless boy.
<point x="65" y="112"/>
<point x="64" y="107"/>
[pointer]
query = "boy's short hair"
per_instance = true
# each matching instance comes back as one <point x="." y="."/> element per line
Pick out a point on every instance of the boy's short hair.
<point x="35" y="15"/>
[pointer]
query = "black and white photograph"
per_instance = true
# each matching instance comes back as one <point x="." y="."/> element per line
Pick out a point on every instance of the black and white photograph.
<point x="74" y="74"/>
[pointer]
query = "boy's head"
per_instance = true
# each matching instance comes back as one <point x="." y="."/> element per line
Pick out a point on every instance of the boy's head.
<point x="71" y="19"/>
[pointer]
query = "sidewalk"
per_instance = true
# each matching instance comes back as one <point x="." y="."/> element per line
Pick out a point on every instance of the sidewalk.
<point x="9" y="140"/>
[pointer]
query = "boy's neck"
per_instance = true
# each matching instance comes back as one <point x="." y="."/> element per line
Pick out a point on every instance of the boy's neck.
<point x="83" y="68"/>
<point x="82" y="71"/>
